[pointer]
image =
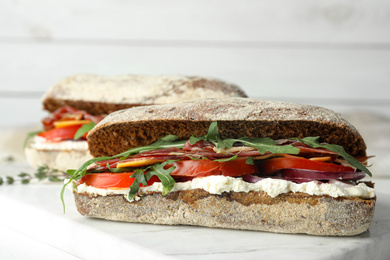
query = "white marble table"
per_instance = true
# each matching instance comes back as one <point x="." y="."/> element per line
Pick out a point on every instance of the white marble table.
<point x="33" y="225"/>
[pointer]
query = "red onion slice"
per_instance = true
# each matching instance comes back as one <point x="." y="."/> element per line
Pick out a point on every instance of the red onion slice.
<point x="303" y="175"/>
<point x="251" y="178"/>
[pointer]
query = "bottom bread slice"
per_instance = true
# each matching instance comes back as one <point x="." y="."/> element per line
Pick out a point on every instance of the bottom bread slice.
<point x="286" y="213"/>
<point x="60" y="160"/>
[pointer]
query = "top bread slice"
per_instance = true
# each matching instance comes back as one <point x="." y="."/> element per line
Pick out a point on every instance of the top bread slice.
<point x="236" y="117"/>
<point x="105" y="94"/>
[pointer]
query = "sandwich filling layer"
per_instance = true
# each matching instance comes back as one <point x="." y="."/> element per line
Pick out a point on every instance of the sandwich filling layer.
<point x="220" y="184"/>
<point x="219" y="165"/>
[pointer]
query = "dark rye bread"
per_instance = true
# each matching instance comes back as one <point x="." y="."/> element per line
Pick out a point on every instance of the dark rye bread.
<point x="236" y="117"/>
<point x="98" y="94"/>
<point x="287" y="213"/>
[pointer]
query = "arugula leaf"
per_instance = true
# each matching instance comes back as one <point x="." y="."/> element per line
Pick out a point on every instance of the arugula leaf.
<point x="118" y="170"/>
<point x="212" y="134"/>
<point x="250" y="161"/>
<point x="314" y="142"/>
<point x="227" y="159"/>
<point x="194" y="140"/>
<point x="79" y="173"/>
<point x="82" y="130"/>
<point x="70" y="172"/>
<point x="139" y="177"/>
<point x="168" y="141"/>
<point x="163" y="174"/>
<point x="264" y="145"/>
<point x="225" y="143"/>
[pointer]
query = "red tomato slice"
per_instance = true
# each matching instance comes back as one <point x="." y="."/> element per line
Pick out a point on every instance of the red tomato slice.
<point x="60" y="134"/>
<point x="202" y="168"/>
<point x="112" y="180"/>
<point x="268" y="167"/>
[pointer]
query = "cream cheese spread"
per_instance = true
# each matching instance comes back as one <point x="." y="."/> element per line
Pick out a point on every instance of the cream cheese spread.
<point x="40" y="143"/>
<point x="220" y="184"/>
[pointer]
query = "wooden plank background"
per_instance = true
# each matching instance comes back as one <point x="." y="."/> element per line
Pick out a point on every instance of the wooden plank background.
<point x="330" y="53"/>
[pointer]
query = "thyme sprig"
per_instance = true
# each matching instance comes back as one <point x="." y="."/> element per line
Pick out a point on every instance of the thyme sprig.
<point x="43" y="173"/>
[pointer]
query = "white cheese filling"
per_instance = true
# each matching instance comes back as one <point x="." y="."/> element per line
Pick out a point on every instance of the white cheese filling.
<point x="40" y="143"/>
<point x="220" y="184"/>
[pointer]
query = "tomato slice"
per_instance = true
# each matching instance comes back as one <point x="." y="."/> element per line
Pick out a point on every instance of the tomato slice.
<point x="202" y="168"/>
<point x="270" y="166"/>
<point x="60" y="134"/>
<point x="112" y="180"/>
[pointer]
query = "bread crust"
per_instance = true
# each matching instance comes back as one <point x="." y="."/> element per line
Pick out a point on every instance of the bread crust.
<point x="104" y="94"/>
<point x="287" y="213"/>
<point x="236" y="117"/>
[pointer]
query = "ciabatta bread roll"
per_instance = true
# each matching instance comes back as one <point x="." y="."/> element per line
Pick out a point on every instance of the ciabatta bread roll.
<point x="234" y="163"/>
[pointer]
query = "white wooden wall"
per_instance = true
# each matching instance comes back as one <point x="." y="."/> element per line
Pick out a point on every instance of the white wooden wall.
<point x="330" y="53"/>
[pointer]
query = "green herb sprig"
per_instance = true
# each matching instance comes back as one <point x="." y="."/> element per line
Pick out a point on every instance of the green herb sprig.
<point x="43" y="173"/>
<point x="83" y="130"/>
<point x="156" y="169"/>
<point x="314" y="142"/>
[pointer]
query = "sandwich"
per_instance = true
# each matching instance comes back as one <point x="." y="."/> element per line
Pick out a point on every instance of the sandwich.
<point x="234" y="163"/>
<point x="76" y="104"/>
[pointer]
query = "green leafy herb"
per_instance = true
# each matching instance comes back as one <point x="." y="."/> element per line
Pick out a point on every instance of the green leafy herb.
<point x="227" y="159"/>
<point x="9" y="159"/>
<point x="43" y="172"/>
<point x="250" y="161"/>
<point x="139" y="177"/>
<point x="264" y="145"/>
<point x="117" y="170"/>
<point x="168" y="141"/>
<point x="9" y="179"/>
<point x="212" y="134"/>
<point x="84" y="129"/>
<point x="164" y="175"/>
<point x="70" y="172"/>
<point x="314" y="142"/>
<point x="23" y="174"/>
<point x="55" y="179"/>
